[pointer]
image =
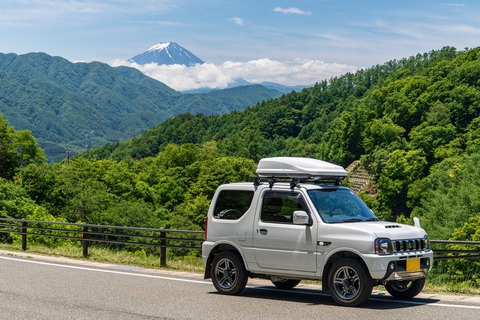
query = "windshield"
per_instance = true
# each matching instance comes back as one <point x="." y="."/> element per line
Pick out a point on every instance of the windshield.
<point x="340" y="205"/>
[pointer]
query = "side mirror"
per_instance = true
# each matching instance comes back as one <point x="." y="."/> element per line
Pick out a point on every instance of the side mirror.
<point x="301" y="218"/>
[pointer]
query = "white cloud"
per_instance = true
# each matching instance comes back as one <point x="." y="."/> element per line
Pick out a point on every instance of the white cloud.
<point x="208" y="75"/>
<point x="292" y="11"/>
<point x="237" y="20"/>
<point x="29" y="12"/>
<point x="453" y="4"/>
<point x="379" y="22"/>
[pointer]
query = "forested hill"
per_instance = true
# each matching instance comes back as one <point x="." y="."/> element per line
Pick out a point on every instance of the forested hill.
<point x="73" y="106"/>
<point x="404" y="119"/>
<point x="330" y="119"/>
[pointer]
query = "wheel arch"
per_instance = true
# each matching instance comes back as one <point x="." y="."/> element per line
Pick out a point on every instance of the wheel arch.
<point x="220" y="248"/>
<point x="334" y="258"/>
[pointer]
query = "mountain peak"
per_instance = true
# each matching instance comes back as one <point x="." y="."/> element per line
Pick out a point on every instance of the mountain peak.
<point x="167" y="53"/>
<point x="160" y="46"/>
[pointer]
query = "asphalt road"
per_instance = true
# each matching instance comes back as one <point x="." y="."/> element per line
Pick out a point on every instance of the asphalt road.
<point x="35" y="287"/>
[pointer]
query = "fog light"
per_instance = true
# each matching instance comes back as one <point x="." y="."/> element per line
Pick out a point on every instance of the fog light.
<point x="428" y="263"/>
<point x="392" y="266"/>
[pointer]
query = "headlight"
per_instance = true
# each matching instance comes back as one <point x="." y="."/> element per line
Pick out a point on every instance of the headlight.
<point x="383" y="246"/>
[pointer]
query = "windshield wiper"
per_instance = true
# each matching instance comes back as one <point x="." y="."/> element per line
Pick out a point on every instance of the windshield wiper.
<point x="352" y="220"/>
<point x="360" y="220"/>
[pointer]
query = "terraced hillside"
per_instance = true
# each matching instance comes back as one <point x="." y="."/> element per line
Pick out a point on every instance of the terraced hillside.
<point x="358" y="177"/>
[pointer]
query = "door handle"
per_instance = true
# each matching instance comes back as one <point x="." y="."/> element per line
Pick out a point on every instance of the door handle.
<point x="263" y="231"/>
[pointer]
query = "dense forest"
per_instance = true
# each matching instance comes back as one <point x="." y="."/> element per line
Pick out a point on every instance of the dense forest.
<point x="414" y="123"/>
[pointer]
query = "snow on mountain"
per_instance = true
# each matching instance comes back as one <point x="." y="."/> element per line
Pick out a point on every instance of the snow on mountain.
<point x="167" y="53"/>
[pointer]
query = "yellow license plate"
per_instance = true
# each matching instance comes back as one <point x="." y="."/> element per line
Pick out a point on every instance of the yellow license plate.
<point x="413" y="264"/>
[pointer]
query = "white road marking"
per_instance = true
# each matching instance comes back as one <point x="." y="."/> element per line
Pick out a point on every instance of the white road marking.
<point x="105" y="271"/>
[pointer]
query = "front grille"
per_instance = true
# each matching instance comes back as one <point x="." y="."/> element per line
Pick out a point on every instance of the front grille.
<point x="409" y="245"/>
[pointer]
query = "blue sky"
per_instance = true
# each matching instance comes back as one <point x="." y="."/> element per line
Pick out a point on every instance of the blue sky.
<point x="285" y="41"/>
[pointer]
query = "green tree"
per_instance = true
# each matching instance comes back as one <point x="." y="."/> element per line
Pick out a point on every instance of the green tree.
<point x="382" y="133"/>
<point x="342" y="141"/>
<point x="461" y="271"/>
<point x="434" y="133"/>
<point x="472" y="136"/>
<point x="17" y="149"/>
<point x="380" y="137"/>
<point x="404" y="101"/>
<point x="401" y="169"/>
<point x="451" y="195"/>
<point x="13" y="200"/>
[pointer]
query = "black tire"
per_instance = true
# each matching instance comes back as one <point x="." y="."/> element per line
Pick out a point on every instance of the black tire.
<point x="349" y="283"/>
<point x="228" y="273"/>
<point x="405" y="289"/>
<point x="284" y="283"/>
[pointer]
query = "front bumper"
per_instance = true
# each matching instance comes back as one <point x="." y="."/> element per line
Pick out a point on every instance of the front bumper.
<point x="398" y="271"/>
<point x="396" y="268"/>
<point x="406" y="276"/>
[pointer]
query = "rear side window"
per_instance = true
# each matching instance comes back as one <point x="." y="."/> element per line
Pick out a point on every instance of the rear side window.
<point x="232" y="204"/>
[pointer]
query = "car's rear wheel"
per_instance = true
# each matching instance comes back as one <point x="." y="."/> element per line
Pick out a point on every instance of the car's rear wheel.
<point x="405" y="289"/>
<point x="228" y="273"/>
<point x="349" y="283"/>
<point x="284" y="283"/>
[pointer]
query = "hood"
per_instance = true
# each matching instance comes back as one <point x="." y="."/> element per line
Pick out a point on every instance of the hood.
<point x="395" y="231"/>
<point x="379" y="229"/>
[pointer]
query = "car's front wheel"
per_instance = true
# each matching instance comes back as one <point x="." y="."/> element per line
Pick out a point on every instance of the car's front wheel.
<point x="228" y="273"/>
<point x="405" y="289"/>
<point x="349" y="283"/>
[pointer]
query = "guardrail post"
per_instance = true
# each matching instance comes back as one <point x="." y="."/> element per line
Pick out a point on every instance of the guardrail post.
<point x="163" y="248"/>
<point x="24" y="235"/>
<point x="85" y="241"/>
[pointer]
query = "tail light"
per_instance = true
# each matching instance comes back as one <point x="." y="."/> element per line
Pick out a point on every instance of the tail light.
<point x="206" y="227"/>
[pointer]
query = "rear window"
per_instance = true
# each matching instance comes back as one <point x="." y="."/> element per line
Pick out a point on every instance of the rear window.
<point x="232" y="204"/>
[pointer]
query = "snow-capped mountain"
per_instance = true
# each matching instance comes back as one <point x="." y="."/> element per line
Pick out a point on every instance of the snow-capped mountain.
<point x="167" y="53"/>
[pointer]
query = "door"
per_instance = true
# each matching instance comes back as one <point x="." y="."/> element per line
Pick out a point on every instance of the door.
<point x="278" y="243"/>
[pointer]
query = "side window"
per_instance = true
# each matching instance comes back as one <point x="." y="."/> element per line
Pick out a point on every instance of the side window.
<point x="232" y="204"/>
<point x="278" y="206"/>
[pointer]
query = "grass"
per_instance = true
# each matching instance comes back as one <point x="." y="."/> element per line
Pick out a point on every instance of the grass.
<point x="139" y="258"/>
<point x="194" y="263"/>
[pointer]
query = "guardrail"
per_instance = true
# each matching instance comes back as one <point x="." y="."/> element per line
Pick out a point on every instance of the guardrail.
<point x="93" y="233"/>
<point x="439" y="254"/>
<point x="161" y="238"/>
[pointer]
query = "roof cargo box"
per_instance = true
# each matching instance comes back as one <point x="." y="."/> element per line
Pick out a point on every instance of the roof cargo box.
<point x="300" y="168"/>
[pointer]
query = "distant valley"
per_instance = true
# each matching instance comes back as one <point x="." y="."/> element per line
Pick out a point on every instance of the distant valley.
<point x="76" y="106"/>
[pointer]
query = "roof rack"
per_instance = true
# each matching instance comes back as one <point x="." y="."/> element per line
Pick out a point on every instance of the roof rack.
<point x="294" y="182"/>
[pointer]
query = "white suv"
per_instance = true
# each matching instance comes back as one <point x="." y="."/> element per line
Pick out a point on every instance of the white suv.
<point x="297" y="222"/>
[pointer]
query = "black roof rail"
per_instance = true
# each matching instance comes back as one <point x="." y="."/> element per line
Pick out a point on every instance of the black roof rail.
<point x="295" y="182"/>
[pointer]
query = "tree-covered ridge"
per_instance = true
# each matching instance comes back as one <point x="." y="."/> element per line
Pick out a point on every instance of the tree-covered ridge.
<point x="74" y="106"/>
<point x="309" y="116"/>
<point x="402" y="118"/>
